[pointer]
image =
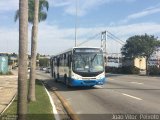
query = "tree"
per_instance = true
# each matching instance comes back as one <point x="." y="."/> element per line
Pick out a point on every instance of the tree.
<point x="43" y="62"/>
<point x="31" y="91"/>
<point x="140" y="46"/>
<point x="38" y="56"/>
<point x="42" y="14"/>
<point x="22" y="71"/>
<point x="34" y="15"/>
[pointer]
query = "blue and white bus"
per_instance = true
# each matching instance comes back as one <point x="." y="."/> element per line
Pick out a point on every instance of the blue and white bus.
<point x="79" y="66"/>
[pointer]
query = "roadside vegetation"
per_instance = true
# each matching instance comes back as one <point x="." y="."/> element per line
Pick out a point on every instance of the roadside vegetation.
<point x="140" y="46"/>
<point x="123" y="70"/>
<point x="8" y="73"/>
<point x="39" y="110"/>
<point x="153" y="70"/>
<point x="43" y="62"/>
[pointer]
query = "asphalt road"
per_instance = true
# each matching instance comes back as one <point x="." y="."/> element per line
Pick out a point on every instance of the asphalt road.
<point x="121" y="94"/>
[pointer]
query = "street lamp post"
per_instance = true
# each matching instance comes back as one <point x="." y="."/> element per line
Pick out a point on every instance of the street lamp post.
<point x="76" y="25"/>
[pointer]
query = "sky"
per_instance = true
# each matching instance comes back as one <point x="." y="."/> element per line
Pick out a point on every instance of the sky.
<point x="123" y="18"/>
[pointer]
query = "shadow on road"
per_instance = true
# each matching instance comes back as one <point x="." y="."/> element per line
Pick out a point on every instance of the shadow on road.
<point x="59" y="86"/>
<point x="114" y="75"/>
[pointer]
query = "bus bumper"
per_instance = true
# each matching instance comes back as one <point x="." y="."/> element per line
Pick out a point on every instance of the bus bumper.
<point x="74" y="82"/>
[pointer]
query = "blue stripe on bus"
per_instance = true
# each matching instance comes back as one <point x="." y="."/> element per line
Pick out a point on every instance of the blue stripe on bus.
<point x="75" y="82"/>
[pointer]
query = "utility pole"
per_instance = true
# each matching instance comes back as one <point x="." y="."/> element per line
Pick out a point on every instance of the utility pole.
<point x="76" y="25"/>
<point x="103" y="45"/>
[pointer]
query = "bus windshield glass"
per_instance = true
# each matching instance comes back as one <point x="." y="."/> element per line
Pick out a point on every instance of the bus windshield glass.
<point x="87" y="62"/>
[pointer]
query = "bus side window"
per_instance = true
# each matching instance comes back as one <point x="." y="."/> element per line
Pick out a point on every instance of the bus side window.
<point x="68" y="60"/>
<point x="61" y="60"/>
<point x="55" y="61"/>
<point x="58" y="61"/>
<point x="64" y="56"/>
<point x="65" y="60"/>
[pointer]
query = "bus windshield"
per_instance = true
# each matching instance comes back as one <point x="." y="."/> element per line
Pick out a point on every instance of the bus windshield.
<point x="88" y="62"/>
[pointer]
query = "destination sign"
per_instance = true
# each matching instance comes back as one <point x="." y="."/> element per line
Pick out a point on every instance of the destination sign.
<point x="89" y="50"/>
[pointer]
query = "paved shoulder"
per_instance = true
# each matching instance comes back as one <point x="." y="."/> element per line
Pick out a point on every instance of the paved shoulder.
<point x="8" y="88"/>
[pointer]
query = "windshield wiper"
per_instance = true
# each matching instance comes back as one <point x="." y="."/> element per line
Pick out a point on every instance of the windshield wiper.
<point x="93" y="57"/>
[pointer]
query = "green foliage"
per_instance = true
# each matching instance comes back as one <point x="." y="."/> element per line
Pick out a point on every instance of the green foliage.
<point x="8" y="73"/>
<point x="39" y="110"/>
<point x="43" y="62"/>
<point x="37" y="56"/>
<point x="140" y="45"/>
<point x="154" y="70"/>
<point x="123" y="70"/>
<point x="43" y="8"/>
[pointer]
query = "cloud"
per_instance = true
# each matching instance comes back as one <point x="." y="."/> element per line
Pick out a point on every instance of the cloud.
<point x="10" y="5"/>
<point x="143" y="13"/>
<point x="83" y="6"/>
<point x="54" y="39"/>
<point x="59" y="3"/>
<point x="9" y="40"/>
<point x="69" y="6"/>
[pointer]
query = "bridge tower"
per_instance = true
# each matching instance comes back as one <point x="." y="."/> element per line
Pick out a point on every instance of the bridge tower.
<point x="103" y="45"/>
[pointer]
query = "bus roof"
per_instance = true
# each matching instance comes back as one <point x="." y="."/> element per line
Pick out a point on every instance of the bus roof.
<point x="70" y="49"/>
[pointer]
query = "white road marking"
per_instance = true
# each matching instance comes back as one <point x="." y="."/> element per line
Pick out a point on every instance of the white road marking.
<point x="131" y="96"/>
<point x="54" y="110"/>
<point x="137" y="83"/>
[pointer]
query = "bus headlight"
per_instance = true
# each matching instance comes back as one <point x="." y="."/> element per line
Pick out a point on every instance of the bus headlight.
<point x="77" y="77"/>
<point x="101" y="76"/>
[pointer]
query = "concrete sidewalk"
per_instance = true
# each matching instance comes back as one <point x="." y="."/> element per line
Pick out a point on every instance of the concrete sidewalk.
<point x="8" y="88"/>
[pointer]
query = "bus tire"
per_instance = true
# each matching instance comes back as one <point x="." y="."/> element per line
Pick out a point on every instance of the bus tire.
<point x="69" y="86"/>
<point x="54" y="75"/>
<point x="67" y="83"/>
<point x="65" y="79"/>
<point x="56" y="79"/>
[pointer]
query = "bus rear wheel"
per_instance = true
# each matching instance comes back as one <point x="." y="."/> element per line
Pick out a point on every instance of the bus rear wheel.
<point x="67" y="81"/>
<point x="56" y="78"/>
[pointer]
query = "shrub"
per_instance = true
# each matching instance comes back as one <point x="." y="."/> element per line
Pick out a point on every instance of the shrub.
<point x="123" y="70"/>
<point x="154" y="70"/>
<point x="8" y="73"/>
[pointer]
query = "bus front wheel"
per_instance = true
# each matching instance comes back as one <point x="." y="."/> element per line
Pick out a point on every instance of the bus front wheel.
<point x="67" y="82"/>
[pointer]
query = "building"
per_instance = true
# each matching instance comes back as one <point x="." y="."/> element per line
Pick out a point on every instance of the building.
<point x="137" y="62"/>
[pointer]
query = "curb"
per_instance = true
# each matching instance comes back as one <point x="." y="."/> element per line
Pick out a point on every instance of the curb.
<point x="65" y="104"/>
<point x="69" y="110"/>
<point x="56" y="116"/>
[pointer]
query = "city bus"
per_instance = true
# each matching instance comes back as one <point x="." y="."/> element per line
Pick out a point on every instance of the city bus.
<point x="79" y="66"/>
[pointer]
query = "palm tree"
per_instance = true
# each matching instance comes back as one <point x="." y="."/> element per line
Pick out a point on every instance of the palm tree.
<point x="42" y="15"/>
<point x="33" y="19"/>
<point x="22" y="71"/>
<point x="31" y="92"/>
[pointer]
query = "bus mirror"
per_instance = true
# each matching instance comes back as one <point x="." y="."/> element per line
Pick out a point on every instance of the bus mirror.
<point x="105" y="59"/>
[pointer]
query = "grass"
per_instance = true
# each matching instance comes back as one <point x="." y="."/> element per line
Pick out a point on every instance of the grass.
<point x="39" y="110"/>
<point x="8" y="73"/>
